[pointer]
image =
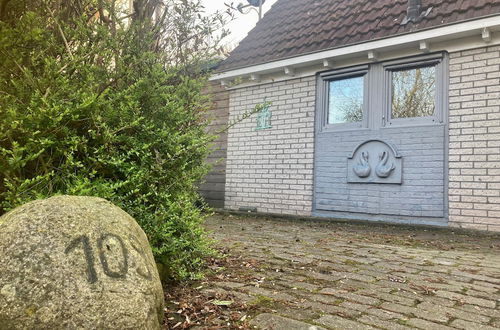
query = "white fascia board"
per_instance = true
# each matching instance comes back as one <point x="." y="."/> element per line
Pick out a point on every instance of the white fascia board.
<point x="441" y="33"/>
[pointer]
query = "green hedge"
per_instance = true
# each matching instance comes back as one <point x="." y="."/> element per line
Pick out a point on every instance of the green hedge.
<point x="88" y="108"/>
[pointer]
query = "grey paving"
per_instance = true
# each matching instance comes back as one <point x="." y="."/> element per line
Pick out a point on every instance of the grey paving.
<point x="348" y="276"/>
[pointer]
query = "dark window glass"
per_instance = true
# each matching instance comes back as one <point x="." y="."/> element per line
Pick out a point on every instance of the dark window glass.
<point x="414" y="92"/>
<point x="346" y="97"/>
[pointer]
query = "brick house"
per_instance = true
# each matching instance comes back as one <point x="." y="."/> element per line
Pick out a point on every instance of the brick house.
<point x="380" y="110"/>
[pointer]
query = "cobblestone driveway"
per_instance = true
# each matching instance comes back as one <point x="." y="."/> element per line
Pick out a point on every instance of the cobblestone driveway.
<point x="312" y="275"/>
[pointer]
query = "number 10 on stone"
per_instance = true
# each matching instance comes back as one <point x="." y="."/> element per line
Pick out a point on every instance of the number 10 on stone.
<point x="103" y="246"/>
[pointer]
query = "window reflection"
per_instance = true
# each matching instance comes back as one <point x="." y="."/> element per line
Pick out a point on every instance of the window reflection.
<point x="346" y="100"/>
<point x="413" y="92"/>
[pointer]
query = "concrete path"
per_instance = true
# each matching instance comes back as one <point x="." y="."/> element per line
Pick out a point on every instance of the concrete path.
<point x="310" y="275"/>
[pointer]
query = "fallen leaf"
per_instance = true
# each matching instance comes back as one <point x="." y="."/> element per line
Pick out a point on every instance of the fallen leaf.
<point x="222" y="302"/>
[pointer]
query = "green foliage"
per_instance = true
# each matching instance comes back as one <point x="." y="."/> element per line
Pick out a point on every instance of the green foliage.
<point x="96" y="103"/>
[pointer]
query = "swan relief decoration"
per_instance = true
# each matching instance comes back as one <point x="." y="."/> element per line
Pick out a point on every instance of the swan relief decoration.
<point x="383" y="170"/>
<point x="375" y="161"/>
<point x="362" y="169"/>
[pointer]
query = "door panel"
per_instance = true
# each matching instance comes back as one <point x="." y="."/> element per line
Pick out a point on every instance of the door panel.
<point x="360" y="182"/>
<point x="421" y="192"/>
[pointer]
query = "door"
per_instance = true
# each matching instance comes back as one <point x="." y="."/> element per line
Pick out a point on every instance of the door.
<point x="381" y="141"/>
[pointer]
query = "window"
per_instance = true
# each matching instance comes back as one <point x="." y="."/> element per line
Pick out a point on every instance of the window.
<point x="413" y="92"/>
<point x="401" y="92"/>
<point x="345" y="104"/>
<point x="343" y="95"/>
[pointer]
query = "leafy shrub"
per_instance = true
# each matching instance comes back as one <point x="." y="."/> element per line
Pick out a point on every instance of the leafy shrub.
<point x="96" y="103"/>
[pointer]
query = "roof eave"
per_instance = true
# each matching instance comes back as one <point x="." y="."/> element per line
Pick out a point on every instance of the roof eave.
<point x="442" y="32"/>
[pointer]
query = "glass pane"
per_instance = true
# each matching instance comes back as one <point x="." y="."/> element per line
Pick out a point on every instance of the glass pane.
<point x="346" y="100"/>
<point x="414" y="92"/>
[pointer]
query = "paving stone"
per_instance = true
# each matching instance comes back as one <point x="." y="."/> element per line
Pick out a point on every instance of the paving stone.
<point x="297" y="312"/>
<point x="488" y="289"/>
<point x="353" y="275"/>
<point x="457" y="287"/>
<point x="436" y="315"/>
<point x="243" y="297"/>
<point x="319" y="276"/>
<point x="329" y="264"/>
<point x="276" y="322"/>
<point x="327" y="299"/>
<point x="384" y="314"/>
<point x="456" y="313"/>
<point x="359" y="307"/>
<point x="350" y="296"/>
<point x="494" y="313"/>
<point x="336" y="322"/>
<point x="374" y="273"/>
<point x="293" y="257"/>
<point x="351" y="284"/>
<point x="439" y="301"/>
<point x="364" y="260"/>
<point x="466" y="299"/>
<point x="301" y="285"/>
<point x="230" y="285"/>
<point x="445" y="261"/>
<point x="488" y="284"/>
<point x="461" y="324"/>
<point x="477" y="294"/>
<point x="384" y="324"/>
<point x="395" y="298"/>
<point x="334" y="310"/>
<point x="269" y="293"/>
<point x="478" y="277"/>
<point x="391" y="283"/>
<point x="446" y="277"/>
<point x="427" y="325"/>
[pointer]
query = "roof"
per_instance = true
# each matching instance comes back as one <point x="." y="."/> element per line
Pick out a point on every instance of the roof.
<point x="297" y="27"/>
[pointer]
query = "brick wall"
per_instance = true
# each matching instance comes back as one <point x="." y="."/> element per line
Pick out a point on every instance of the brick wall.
<point x="474" y="153"/>
<point x="213" y="187"/>
<point x="272" y="169"/>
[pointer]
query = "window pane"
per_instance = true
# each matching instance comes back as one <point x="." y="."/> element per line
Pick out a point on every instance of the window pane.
<point x="414" y="92"/>
<point x="346" y="100"/>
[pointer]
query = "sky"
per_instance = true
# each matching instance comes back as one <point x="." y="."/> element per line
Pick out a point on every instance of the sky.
<point x="242" y="24"/>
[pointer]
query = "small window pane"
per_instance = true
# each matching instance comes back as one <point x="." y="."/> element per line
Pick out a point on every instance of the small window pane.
<point x="346" y="100"/>
<point x="414" y="92"/>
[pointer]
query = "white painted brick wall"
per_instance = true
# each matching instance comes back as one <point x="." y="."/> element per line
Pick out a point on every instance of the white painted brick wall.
<point x="474" y="156"/>
<point x="272" y="169"/>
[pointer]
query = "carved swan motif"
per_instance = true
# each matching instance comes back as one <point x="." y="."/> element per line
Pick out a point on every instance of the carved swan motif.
<point x="383" y="170"/>
<point x="362" y="169"/>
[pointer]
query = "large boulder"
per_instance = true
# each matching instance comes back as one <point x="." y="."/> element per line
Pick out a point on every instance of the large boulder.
<point x="72" y="262"/>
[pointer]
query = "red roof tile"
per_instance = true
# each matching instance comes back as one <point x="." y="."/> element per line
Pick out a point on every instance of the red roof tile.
<point x="296" y="27"/>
